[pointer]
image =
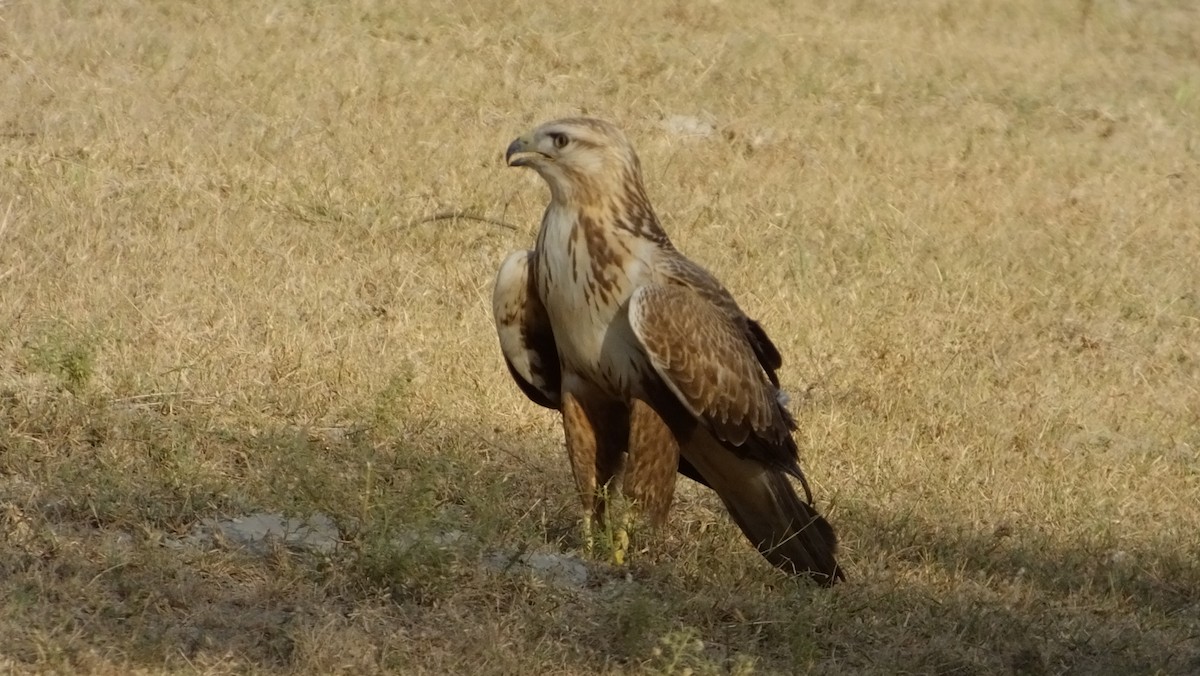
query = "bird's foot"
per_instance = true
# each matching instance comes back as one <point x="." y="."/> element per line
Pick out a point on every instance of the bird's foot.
<point x="620" y="545"/>
<point x="589" y="539"/>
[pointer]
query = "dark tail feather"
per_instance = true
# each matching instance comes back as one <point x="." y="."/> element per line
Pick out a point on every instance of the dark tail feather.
<point x="786" y="530"/>
<point x="762" y="501"/>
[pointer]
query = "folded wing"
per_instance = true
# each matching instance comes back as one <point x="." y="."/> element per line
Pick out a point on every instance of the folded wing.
<point x="743" y="448"/>
<point x="707" y="360"/>
<point x="526" y="339"/>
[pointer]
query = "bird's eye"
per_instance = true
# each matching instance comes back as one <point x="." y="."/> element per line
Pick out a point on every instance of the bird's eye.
<point x="560" y="140"/>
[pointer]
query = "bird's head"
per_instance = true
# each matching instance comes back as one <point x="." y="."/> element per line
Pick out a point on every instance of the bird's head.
<point x="578" y="157"/>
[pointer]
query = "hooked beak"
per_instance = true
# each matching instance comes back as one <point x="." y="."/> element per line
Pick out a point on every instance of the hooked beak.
<point x="523" y="145"/>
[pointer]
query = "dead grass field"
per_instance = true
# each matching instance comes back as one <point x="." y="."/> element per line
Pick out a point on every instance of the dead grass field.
<point x="973" y="228"/>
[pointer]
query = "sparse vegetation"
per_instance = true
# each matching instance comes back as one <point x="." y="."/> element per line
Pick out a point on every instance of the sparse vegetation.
<point x="970" y="227"/>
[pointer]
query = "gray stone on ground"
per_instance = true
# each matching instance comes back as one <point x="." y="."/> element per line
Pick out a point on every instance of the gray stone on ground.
<point x="560" y="569"/>
<point x="258" y="533"/>
<point x="261" y="531"/>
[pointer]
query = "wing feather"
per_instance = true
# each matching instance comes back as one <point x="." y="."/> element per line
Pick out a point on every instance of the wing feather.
<point x="686" y="272"/>
<point x="707" y="361"/>
<point x="526" y="338"/>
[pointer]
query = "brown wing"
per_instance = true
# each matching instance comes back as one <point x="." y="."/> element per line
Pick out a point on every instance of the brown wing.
<point x="523" y="326"/>
<point x="687" y="273"/>
<point x="707" y="361"/>
<point x="745" y="449"/>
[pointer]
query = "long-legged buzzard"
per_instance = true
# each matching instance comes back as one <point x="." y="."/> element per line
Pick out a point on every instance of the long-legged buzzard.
<point x="651" y="362"/>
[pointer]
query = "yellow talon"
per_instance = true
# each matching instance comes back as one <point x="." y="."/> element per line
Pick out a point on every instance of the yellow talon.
<point x="620" y="546"/>
<point x="589" y="541"/>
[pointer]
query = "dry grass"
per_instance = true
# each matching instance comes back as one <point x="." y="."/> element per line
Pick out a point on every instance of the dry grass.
<point x="971" y="227"/>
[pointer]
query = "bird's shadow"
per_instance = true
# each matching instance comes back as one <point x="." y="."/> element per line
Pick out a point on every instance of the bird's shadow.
<point x="1020" y="598"/>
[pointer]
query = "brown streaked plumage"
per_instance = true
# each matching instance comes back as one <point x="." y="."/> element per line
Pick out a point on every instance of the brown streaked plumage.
<point x="652" y="363"/>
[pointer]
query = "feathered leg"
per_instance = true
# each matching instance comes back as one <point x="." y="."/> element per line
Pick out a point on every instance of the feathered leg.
<point x="650" y="470"/>
<point x="653" y="463"/>
<point x="596" y="435"/>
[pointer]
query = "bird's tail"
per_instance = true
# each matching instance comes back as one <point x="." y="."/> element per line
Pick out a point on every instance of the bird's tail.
<point x="786" y="530"/>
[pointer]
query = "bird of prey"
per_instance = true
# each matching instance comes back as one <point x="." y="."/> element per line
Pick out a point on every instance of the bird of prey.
<point x="652" y="364"/>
